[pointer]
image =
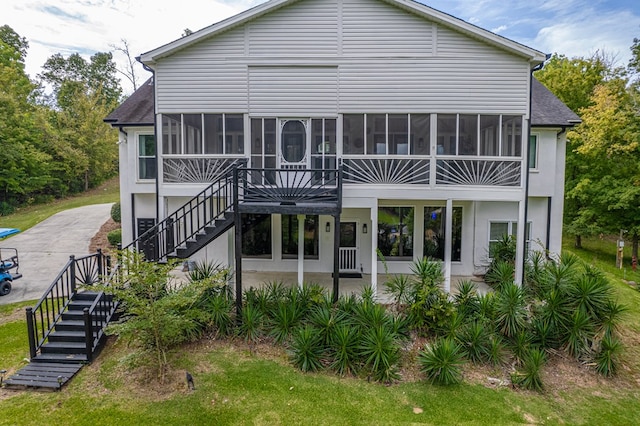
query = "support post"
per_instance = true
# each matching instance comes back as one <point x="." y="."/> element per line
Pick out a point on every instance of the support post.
<point x="301" y="218"/>
<point x="374" y="249"/>
<point x="72" y="275"/>
<point x="31" y="333"/>
<point x="100" y="266"/>
<point x="448" y="236"/>
<point x="336" y="256"/>
<point x="238" y="242"/>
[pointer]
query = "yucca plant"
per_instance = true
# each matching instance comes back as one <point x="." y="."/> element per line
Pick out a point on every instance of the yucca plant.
<point x="283" y="319"/>
<point x="607" y="357"/>
<point x="251" y="324"/>
<point x="496" y="350"/>
<point x="487" y="306"/>
<point x="474" y="340"/>
<point x="552" y="318"/>
<point x="371" y="315"/>
<point x="528" y="376"/>
<point x="579" y="334"/>
<point x="500" y="273"/>
<point x="511" y="313"/>
<point x="466" y="301"/>
<point x="398" y="287"/>
<point x="428" y="272"/>
<point x="380" y="353"/>
<point x="504" y="249"/>
<point x="343" y="349"/>
<point x="325" y="320"/>
<point x="590" y="294"/>
<point x="452" y="327"/>
<point x="520" y="344"/>
<point x="441" y="362"/>
<point x="611" y="316"/>
<point x="220" y="308"/>
<point x="306" y="350"/>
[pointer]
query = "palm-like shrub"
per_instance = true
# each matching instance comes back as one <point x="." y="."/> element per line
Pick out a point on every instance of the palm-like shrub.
<point x="580" y="334"/>
<point x="343" y="349"/>
<point x="610" y="318"/>
<point x="500" y="273"/>
<point x="283" y="319"/>
<point x="496" y="353"/>
<point x="441" y="362"/>
<point x="220" y="308"/>
<point x="590" y="294"/>
<point x="511" y="313"/>
<point x="380" y="352"/>
<point x="474" y="340"/>
<point x="466" y="300"/>
<point x="428" y="272"/>
<point x="607" y="357"/>
<point x="325" y="319"/>
<point x="398" y="287"/>
<point x="487" y="306"/>
<point x="529" y="375"/>
<point x="520" y="344"/>
<point x="251" y="323"/>
<point x="306" y="349"/>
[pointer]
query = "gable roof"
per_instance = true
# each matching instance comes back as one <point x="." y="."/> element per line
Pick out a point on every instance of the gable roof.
<point x="549" y="111"/>
<point x="136" y="110"/>
<point x="546" y="109"/>
<point x="534" y="56"/>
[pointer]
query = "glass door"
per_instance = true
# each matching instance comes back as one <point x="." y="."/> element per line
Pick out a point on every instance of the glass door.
<point x="348" y="247"/>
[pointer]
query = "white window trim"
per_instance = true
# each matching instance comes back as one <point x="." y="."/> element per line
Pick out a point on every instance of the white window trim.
<point x="536" y="157"/>
<point x="138" y="157"/>
<point x="512" y="229"/>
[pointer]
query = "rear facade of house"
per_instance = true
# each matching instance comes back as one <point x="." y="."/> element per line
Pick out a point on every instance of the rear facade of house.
<point x="419" y="125"/>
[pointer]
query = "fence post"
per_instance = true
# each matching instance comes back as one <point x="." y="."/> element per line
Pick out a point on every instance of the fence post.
<point x="88" y="334"/>
<point x="72" y="272"/>
<point x="100" y="268"/>
<point x="31" y="333"/>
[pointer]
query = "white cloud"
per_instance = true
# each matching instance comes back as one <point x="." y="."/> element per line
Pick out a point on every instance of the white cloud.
<point x="499" y="29"/>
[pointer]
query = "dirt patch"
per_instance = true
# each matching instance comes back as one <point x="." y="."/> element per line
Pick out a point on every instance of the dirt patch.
<point x="100" y="241"/>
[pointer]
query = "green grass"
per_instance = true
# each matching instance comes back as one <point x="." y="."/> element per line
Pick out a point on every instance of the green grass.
<point x="234" y="387"/>
<point x="28" y="216"/>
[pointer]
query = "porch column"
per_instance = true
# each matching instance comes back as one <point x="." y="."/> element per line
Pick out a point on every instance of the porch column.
<point x="301" y="218"/>
<point x="374" y="249"/>
<point x="448" y="231"/>
<point x="520" y="242"/>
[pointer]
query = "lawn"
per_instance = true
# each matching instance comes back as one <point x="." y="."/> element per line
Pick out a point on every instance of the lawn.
<point x="28" y="216"/>
<point x="236" y="386"/>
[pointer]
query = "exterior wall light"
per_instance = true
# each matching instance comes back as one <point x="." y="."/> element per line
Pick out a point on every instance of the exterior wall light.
<point x="328" y="227"/>
<point x="364" y="228"/>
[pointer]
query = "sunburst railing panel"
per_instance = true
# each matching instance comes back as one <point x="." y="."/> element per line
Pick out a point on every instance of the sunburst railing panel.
<point x="197" y="170"/>
<point x="386" y="171"/>
<point x="474" y="172"/>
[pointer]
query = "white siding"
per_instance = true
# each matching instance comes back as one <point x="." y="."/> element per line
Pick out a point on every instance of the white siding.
<point x="302" y="29"/>
<point x="227" y="44"/>
<point x="435" y="85"/>
<point x="373" y="28"/>
<point x="452" y="43"/>
<point x="293" y="90"/>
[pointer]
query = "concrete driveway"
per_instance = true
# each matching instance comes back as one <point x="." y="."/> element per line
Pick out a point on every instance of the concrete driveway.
<point x="45" y="248"/>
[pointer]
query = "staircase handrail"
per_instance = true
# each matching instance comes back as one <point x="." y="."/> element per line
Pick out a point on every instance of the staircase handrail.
<point x="45" y="314"/>
<point x="182" y="225"/>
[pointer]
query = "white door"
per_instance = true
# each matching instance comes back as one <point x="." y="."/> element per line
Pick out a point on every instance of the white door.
<point x="294" y="144"/>
<point x="349" y="250"/>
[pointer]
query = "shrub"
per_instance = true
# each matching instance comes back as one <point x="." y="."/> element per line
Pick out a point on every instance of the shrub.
<point x="251" y="323"/>
<point x="306" y="349"/>
<point x="343" y="349"/>
<point x="606" y="358"/>
<point x="529" y="375"/>
<point x="500" y="273"/>
<point x="115" y="237"/>
<point x="115" y="212"/>
<point x="441" y="362"/>
<point x="398" y="287"/>
<point x="511" y="313"/>
<point x="380" y="352"/>
<point x="474" y="340"/>
<point x="580" y="334"/>
<point x="466" y="300"/>
<point x="283" y="319"/>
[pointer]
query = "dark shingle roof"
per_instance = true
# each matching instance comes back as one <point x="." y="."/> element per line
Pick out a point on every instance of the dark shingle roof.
<point x="546" y="109"/>
<point x="137" y="110"/>
<point x="549" y="111"/>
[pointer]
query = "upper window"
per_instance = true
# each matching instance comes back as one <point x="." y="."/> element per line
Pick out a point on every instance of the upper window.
<point x="474" y="134"/>
<point x="386" y="134"/>
<point x="146" y="157"/>
<point x="395" y="232"/>
<point x="202" y="133"/>
<point x="533" y="152"/>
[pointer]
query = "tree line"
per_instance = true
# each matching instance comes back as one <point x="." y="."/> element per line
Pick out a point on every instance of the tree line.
<point x="602" y="180"/>
<point x="53" y="141"/>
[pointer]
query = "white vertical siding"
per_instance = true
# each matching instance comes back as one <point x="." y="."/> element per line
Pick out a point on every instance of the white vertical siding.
<point x="293" y="90"/>
<point x="373" y="28"/>
<point x="302" y="29"/>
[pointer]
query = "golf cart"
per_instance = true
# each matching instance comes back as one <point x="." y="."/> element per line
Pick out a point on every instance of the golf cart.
<point x="8" y="261"/>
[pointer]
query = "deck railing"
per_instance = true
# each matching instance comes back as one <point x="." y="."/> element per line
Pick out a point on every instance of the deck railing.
<point x="43" y="316"/>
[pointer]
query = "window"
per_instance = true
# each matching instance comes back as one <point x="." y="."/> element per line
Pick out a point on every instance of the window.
<point x="447" y="134"/>
<point x="263" y="149"/>
<point x="511" y="136"/>
<point x="386" y="134"/>
<point x="256" y="235"/>
<point x="323" y="143"/>
<point x="497" y="230"/>
<point x="353" y="134"/>
<point x="434" y="233"/>
<point x="192" y="134"/>
<point x="290" y="237"/>
<point x="146" y="157"/>
<point x="489" y="135"/>
<point x="533" y="152"/>
<point x="395" y="232"/>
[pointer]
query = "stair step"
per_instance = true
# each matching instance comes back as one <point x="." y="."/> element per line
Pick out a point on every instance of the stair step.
<point x="68" y="336"/>
<point x="79" y="305"/>
<point x="70" y="325"/>
<point x="63" y="348"/>
<point x="79" y="315"/>
<point x="89" y="295"/>
<point x="43" y="375"/>
<point x="61" y="358"/>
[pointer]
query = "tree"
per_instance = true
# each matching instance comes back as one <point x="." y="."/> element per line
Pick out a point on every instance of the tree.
<point x="130" y="67"/>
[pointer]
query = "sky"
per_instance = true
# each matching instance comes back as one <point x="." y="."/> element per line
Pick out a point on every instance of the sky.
<point x="569" y="27"/>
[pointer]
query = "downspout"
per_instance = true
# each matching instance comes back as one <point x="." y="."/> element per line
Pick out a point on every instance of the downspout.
<point x="155" y="136"/>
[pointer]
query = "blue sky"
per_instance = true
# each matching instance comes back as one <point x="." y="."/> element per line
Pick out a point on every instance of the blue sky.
<point x="569" y="27"/>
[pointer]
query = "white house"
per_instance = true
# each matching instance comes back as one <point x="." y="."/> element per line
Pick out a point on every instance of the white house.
<point x="357" y="126"/>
